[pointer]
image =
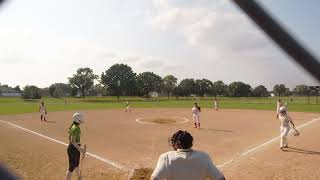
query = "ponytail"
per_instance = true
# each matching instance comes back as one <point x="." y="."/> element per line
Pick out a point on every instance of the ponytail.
<point x="71" y="125"/>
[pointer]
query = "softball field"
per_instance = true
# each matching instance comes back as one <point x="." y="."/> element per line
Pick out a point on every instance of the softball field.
<point x="243" y="143"/>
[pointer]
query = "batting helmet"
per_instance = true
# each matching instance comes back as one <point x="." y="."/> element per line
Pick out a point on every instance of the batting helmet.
<point x="78" y="118"/>
<point x="282" y="109"/>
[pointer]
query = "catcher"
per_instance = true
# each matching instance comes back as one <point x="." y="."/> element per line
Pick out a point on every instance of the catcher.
<point x="285" y="119"/>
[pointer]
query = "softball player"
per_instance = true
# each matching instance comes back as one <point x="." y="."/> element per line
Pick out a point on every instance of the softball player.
<point x="128" y="107"/>
<point x="43" y="111"/>
<point x="74" y="147"/>
<point x="215" y="104"/>
<point x="196" y="115"/>
<point x="279" y="104"/>
<point x="285" y="119"/>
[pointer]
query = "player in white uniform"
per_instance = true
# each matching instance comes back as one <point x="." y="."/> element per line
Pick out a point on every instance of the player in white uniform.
<point x="285" y="119"/>
<point x="43" y="111"/>
<point x="215" y="104"/>
<point x="196" y="118"/>
<point x="128" y="107"/>
<point x="279" y="104"/>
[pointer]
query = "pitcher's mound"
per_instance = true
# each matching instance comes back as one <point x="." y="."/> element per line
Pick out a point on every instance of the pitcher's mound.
<point x="162" y="120"/>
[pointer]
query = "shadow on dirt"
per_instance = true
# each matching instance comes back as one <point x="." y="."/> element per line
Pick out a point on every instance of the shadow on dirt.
<point x="216" y="130"/>
<point x="303" y="151"/>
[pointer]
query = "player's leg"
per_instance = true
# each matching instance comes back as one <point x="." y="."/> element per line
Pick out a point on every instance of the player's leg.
<point x="286" y="131"/>
<point x="198" y="120"/>
<point x="194" y="120"/>
<point x="281" y="137"/>
<point x="41" y="116"/>
<point x="71" y="163"/>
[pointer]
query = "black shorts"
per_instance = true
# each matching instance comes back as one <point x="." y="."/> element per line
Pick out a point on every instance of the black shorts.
<point x="74" y="157"/>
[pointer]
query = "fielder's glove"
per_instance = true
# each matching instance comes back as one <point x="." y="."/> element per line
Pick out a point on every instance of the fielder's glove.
<point x="296" y="132"/>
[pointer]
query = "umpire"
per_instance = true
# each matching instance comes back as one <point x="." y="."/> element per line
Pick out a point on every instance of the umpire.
<point x="184" y="162"/>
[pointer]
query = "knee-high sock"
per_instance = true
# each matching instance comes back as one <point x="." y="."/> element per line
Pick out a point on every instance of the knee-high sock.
<point x="68" y="175"/>
<point x="77" y="171"/>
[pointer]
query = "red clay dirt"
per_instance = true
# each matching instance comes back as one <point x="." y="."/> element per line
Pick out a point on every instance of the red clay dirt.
<point x="115" y="135"/>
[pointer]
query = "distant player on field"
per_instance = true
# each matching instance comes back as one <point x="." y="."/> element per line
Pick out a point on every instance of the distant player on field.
<point x="279" y="104"/>
<point x="285" y="119"/>
<point x="215" y="104"/>
<point x="128" y="107"/>
<point x="43" y="111"/>
<point x="196" y="112"/>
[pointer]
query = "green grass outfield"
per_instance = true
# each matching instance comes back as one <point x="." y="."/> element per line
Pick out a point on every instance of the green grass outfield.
<point x="15" y="105"/>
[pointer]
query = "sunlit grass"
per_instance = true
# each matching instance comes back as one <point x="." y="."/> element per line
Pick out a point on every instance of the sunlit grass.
<point x="13" y="105"/>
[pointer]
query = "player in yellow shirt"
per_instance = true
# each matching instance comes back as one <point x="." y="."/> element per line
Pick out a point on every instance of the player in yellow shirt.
<point x="74" y="148"/>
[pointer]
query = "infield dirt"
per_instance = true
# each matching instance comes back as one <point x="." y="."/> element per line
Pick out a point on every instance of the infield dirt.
<point x="115" y="135"/>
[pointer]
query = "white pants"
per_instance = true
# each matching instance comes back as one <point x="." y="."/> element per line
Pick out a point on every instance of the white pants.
<point x="43" y="114"/>
<point x="196" y="118"/>
<point x="284" y="130"/>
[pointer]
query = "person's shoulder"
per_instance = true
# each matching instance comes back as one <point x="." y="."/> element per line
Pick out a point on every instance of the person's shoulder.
<point x="200" y="154"/>
<point x="168" y="154"/>
<point x="74" y="128"/>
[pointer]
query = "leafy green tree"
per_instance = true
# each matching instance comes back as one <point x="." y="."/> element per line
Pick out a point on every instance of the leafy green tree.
<point x="119" y="80"/>
<point x="169" y="84"/>
<point x="59" y="90"/>
<point x="300" y="90"/>
<point x="100" y="89"/>
<point x="44" y="92"/>
<point x="279" y="89"/>
<point x="178" y="91"/>
<point x="83" y="80"/>
<point x="188" y="87"/>
<point x="239" y="89"/>
<point x="31" y="92"/>
<point x="203" y="87"/>
<point x="219" y="88"/>
<point x="149" y="82"/>
<point x="260" y="91"/>
<point x="17" y="88"/>
<point x="288" y="92"/>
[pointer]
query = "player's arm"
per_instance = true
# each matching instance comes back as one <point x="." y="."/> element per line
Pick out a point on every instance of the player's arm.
<point x="75" y="144"/>
<point x="291" y="121"/>
<point x="160" y="172"/>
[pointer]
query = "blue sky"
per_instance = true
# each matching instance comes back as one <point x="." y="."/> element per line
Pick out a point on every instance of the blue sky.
<point x="44" y="42"/>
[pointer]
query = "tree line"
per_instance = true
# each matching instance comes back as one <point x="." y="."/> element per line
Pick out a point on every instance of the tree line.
<point x="120" y="80"/>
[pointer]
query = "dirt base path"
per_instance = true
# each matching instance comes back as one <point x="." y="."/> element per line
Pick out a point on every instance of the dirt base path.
<point x="300" y="161"/>
<point x="118" y="137"/>
<point x="32" y="157"/>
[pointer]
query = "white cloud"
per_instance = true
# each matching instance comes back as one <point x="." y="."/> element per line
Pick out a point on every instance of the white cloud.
<point x="225" y="38"/>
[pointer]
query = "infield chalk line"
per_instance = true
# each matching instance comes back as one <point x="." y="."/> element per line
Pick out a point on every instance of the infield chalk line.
<point x="181" y="122"/>
<point x="263" y="144"/>
<point x="107" y="161"/>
